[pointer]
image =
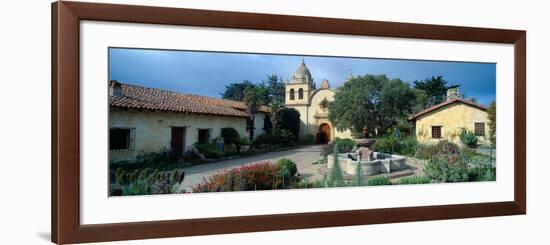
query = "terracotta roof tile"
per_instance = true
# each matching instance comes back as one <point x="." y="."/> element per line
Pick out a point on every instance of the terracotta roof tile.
<point x="139" y="97"/>
<point x="443" y="104"/>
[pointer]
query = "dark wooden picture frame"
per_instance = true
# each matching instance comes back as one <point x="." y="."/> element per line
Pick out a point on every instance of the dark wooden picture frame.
<point x="66" y="17"/>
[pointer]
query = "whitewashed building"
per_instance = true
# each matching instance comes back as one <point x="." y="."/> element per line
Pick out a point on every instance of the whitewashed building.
<point x="143" y="120"/>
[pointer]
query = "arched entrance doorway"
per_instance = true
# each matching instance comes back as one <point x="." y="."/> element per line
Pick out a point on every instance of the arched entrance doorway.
<point x="323" y="136"/>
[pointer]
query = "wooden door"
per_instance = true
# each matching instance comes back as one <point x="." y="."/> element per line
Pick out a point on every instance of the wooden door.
<point x="323" y="136"/>
<point x="177" y="144"/>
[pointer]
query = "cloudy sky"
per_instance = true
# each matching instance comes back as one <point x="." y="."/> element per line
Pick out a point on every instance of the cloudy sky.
<point x="207" y="73"/>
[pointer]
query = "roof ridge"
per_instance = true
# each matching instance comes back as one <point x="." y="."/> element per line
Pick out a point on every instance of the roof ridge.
<point x="445" y="103"/>
<point x="174" y="92"/>
<point x="139" y="96"/>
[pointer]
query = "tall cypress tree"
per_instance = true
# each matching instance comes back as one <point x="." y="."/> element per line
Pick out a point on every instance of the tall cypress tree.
<point x="358" y="174"/>
<point x="336" y="177"/>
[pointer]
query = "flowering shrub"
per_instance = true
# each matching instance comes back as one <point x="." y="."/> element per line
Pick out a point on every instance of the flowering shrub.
<point x="442" y="147"/>
<point x="258" y="176"/>
<point x="447" y="167"/>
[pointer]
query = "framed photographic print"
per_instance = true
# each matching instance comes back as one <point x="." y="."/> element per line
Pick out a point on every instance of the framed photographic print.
<point x="177" y="122"/>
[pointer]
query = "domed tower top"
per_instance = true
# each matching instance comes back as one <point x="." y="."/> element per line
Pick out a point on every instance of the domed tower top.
<point x="302" y="74"/>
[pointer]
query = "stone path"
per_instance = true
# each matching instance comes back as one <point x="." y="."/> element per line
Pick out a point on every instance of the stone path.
<point x="303" y="157"/>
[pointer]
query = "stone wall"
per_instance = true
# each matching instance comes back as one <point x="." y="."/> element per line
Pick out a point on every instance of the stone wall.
<point x="452" y="118"/>
<point x="383" y="163"/>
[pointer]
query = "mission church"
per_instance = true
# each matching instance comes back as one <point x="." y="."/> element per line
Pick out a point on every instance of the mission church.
<point x="443" y="121"/>
<point x="301" y="94"/>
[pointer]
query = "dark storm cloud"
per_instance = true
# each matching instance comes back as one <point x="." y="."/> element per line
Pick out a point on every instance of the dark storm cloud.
<point x="207" y="73"/>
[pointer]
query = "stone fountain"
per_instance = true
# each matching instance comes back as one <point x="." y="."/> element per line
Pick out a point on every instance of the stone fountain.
<point x="372" y="163"/>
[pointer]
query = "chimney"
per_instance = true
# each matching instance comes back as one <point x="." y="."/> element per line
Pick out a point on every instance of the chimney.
<point x="453" y="93"/>
<point x="115" y="88"/>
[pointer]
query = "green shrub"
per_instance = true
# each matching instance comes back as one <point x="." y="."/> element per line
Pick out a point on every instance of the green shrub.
<point x="427" y="151"/>
<point x="146" y="182"/>
<point x="378" y="180"/>
<point x="396" y="141"/>
<point x="488" y="174"/>
<point x="121" y="177"/>
<point x="407" y="146"/>
<point x="280" y="137"/>
<point x="115" y="191"/>
<point x="230" y="136"/>
<point x="244" y="141"/>
<point x="482" y="174"/>
<point x="344" y="146"/>
<point x="468" y="138"/>
<point x="287" y="168"/>
<point x="264" y="139"/>
<point x="447" y="168"/>
<point x="112" y="176"/>
<point x="401" y="146"/>
<point x="210" y="151"/>
<point x="157" y="158"/>
<point x="284" y="137"/>
<point x="474" y="158"/>
<point x="144" y="174"/>
<point x="385" y="145"/>
<point x="162" y="160"/>
<point x="309" y="139"/>
<point x="415" y="180"/>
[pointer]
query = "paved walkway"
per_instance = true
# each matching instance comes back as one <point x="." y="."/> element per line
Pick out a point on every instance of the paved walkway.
<point x="303" y="157"/>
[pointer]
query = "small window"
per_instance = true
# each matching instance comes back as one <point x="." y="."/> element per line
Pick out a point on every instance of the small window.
<point x="204" y="136"/>
<point x="121" y="139"/>
<point x="291" y="94"/>
<point x="436" y="132"/>
<point x="300" y="93"/>
<point x="479" y="129"/>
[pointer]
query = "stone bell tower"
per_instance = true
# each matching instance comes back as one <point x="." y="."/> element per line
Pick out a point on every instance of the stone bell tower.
<point x="299" y="89"/>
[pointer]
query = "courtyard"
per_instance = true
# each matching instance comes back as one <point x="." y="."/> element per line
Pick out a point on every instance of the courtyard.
<point x="289" y="132"/>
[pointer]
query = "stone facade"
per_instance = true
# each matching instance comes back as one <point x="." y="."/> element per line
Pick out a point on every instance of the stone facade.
<point x="451" y="117"/>
<point x="302" y="95"/>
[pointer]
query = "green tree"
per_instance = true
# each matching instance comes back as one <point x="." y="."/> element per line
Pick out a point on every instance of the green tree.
<point x="235" y="91"/>
<point x="336" y="176"/>
<point x="435" y="88"/>
<point x="275" y="89"/>
<point x="375" y="102"/>
<point x="289" y="119"/>
<point x="493" y="123"/>
<point x="254" y="98"/>
<point x="421" y="98"/>
<point x="358" y="175"/>
<point x="231" y="136"/>
<point x="275" y="108"/>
